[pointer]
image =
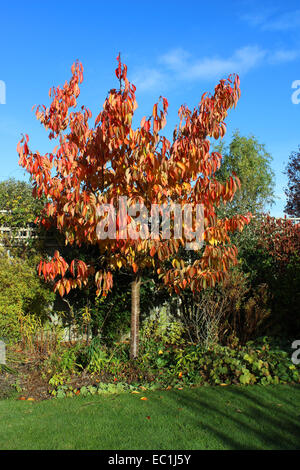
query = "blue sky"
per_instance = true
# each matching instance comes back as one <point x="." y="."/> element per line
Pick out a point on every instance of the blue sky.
<point x="172" y="48"/>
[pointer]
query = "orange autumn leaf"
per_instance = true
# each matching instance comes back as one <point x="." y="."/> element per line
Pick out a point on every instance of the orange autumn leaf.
<point x="144" y="398"/>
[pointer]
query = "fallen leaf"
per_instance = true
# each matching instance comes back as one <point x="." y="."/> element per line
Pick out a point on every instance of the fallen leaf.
<point x="135" y="391"/>
<point x="144" y="398"/>
<point x="22" y="398"/>
<point x="30" y="399"/>
<point x="148" y="417"/>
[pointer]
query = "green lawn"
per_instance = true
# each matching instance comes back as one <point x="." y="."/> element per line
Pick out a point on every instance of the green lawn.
<point x="253" y="417"/>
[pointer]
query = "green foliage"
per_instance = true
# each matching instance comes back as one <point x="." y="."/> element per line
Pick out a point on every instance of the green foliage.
<point x="293" y="188"/>
<point x="111" y="315"/>
<point x="97" y="357"/>
<point x="261" y="362"/>
<point x="161" y="326"/>
<point x="281" y="278"/>
<point x="62" y="363"/>
<point x="18" y="206"/>
<point x="251" y="162"/>
<point x="253" y="363"/>
<point x="64" y="390"/>
<point x="23" y="296"/>
<point x="19" y="209"/>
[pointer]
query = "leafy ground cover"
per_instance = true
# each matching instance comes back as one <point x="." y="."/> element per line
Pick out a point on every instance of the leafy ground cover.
<point x="92" y="369"/>
<point x="231" y="417"/>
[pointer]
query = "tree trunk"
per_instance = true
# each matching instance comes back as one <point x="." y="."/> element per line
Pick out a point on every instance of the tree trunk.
<point x="135" y="316"/>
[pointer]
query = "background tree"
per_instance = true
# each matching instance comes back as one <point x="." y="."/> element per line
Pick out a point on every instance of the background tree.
<point x="249" y="159"/>
<point x="18" y="210"/>
<point x="293" y="190"/>
<point x="18" y="207"/>
<point x="92" y="166"/>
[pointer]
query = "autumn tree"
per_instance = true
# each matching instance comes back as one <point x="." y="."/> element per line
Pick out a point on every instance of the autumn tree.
<point x="293" y="190"/>
<point x="92" y="167"/>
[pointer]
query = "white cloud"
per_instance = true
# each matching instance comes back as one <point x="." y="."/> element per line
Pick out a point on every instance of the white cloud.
<point x="283" y="55"/>
<point x="178" y="65"/>
<point x="285" y="21"/>
<point x="272" y="19"/>
<point x="148" y="79"/>
<point x="187" y="68"/>
<point x="175" y="58"/>
<point x="240" y="62"/>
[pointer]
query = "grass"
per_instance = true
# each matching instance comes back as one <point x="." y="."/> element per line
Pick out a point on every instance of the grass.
<point x="252" y="417"/>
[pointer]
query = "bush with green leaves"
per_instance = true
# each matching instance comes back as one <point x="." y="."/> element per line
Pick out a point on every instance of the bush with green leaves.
<point x="87" y="370"/>
<point x="162" y="326"/>
<point x="63" y="362"/>
<point x="250" y="364"/>
<point x="22" y="294"/>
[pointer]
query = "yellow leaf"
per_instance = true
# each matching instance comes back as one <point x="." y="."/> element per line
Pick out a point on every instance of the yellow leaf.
<point x="181" y="165"/>
<point x="144" y="398"/>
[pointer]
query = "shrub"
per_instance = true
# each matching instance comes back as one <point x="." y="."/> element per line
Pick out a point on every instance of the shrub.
<point x="253" y="363"/>
<point x="244" y="365"/>
<point x="23" y="298"/>
<point x="235" y="309"/>
<point x="162" y="326"/>
<point x="273" y="258"/>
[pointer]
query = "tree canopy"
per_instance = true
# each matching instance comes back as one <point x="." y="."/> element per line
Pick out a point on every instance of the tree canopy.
<point x="17" y="205"/>
<point x="252" y="164"/>
<point x="92" y="167"/>
<point x="293" y="189"/>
